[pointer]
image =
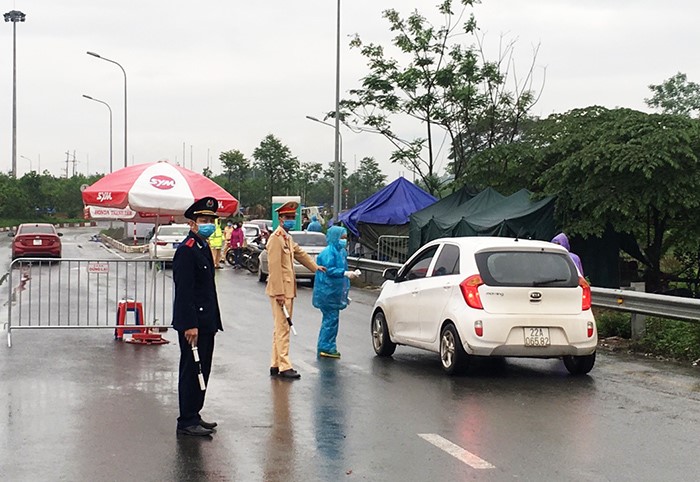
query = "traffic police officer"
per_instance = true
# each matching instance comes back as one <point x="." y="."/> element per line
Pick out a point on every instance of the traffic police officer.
<point x="196" y="315"/>
<point x="282" y="286"/>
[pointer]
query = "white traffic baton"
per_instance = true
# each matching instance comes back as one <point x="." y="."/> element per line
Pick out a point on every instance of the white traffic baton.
<point x="200" y="375"/>
<point x="289" y="319"/>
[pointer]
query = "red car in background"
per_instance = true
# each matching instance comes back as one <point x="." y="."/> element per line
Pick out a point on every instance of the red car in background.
<point x="36" y="240"/>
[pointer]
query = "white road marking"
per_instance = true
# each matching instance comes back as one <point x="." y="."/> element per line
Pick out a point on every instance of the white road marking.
<point x="456" y="451"/>
<point x="112" y="251"/>
<point x="307" y="368"/>
<point x="356" y="368"/>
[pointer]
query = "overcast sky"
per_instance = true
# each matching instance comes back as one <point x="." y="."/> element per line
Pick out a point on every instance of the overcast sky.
<point x="223" y="74"/>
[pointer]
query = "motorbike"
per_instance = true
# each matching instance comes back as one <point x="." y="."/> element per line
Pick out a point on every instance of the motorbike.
<point x="250" y="256"/>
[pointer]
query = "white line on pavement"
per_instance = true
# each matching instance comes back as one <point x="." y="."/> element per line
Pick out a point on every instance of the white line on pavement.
<point x="356" y="368"/>
<point x="112" y="251"/>
<point x="307" y="368"/>
<point x="456" y="451"/>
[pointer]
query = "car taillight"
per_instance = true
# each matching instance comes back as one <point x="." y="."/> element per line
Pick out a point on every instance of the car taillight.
<point x="478" y="328"/>
<point x="161" y="243"/>
<point x="586" y="295"/>
<point x="590" y="329"/>
<point x="470" y="291"/>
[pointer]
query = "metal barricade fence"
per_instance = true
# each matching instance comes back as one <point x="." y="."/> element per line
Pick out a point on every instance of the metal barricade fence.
<point x="392" y="248"/>
<point x="85" y="293"/>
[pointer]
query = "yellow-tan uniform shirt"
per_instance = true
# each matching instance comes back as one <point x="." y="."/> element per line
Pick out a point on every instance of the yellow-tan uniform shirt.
<point x="281" y="253"/>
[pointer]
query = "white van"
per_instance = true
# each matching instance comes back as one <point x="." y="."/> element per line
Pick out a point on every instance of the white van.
<point x="309" y="211"/>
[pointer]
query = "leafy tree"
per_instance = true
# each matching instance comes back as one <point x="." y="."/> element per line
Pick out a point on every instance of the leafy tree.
<point x="634" y="171"/>
<point x="327" y="181"/>
<point x="206" y="172"/>
<point x="275" y="160"/>
<point x="14" y="201"/>
<point x="678" y="96"/>
<point x="446" y="86"/>
<point x="675" y="96"/>
<point x="365" y="181"/>
<point x="236" y="166"/>
<point x="307" y="175"/>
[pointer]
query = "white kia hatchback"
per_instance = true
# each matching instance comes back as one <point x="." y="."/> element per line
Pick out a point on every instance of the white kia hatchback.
<point x="490" y="297"/>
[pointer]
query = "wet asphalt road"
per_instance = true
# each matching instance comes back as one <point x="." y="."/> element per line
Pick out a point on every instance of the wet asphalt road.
<point x="79" y="406"/>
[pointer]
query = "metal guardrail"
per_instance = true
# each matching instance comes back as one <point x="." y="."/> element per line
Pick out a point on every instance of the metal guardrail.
<point x="687" y="309"/>
<point x="85" y="293"/>
<point x="371" y="265"/>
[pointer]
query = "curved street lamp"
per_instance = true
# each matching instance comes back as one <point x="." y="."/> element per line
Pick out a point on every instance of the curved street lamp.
<point x="14" y="16"/>
<point x="110" y="127"/>
<point x="30" y="162"/>
<point x="124" y="72"/>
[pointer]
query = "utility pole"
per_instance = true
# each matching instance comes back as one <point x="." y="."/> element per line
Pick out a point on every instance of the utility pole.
<point x="191" y="157"/>
<point x="67" y="161"/>
<point x="74" y="161"/>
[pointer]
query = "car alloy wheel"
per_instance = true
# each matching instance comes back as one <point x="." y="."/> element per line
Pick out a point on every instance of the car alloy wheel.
<point x="383" y="346"/>
<point x="452" y="354"/>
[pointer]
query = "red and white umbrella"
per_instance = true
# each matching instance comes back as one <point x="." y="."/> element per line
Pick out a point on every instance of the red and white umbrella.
<point x="157" y="188"/>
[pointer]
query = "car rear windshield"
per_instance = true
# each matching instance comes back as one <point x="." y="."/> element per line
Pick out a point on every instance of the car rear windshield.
<point x="251" y="230"/>
<point x="309" y="239"/>
<point x="173" y="231"/>
<point x="36" y="230"/>
<point x="526" y="268"/>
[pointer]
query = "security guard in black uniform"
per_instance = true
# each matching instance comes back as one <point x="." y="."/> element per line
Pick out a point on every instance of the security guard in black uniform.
<point x="196" y="315"/>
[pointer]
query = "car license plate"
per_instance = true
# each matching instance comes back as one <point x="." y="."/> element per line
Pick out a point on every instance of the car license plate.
<point x="536" y="336"/>
<point x="176" y="245"/>
<point x="37" y="242"/>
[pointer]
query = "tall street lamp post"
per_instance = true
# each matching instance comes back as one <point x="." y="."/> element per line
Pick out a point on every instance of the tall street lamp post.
<point x="14" y="16"/>
<point x="125" y="118"/>
<point x="110" y="127"/>
<point x="336" y="193"/>
<point x="337" y="184"/>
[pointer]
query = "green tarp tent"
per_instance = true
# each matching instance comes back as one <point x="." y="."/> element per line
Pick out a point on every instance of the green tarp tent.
<point x="487" y="213"/>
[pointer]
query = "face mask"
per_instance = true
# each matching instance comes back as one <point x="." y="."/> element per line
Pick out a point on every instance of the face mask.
<point x="343" y="243"/>
<point x="206" y="230"/>
<point x="289" y="224"/>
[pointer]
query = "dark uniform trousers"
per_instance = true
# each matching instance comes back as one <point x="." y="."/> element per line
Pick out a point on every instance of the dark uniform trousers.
<point x="190" y="394"/>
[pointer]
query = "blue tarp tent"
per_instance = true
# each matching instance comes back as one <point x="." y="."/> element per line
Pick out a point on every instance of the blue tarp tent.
<point x="392" y="205"/>
<point x="385" y="213"/>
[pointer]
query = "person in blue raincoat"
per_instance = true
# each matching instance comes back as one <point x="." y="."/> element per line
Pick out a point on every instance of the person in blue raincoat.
<point x="331" y="289"/>
<point x="314" y="225"/>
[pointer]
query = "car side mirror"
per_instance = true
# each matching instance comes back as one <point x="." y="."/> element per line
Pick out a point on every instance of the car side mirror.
<point x="11" y="234"/>
<point x="390" y="274"/>
<point x="60" y="234"/>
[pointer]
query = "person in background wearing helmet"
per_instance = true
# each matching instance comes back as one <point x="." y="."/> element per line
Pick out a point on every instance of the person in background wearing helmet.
<point x="282" y="286"/>
<point x="196" y="315"/>
<point x="563" y="241"/>
<point x="331" y="289"/>
<point x="216" y="242"/>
